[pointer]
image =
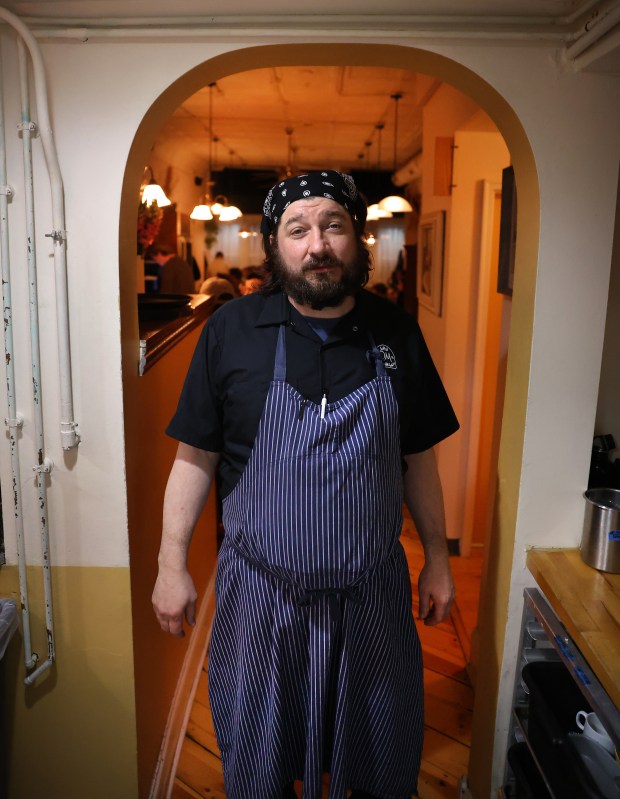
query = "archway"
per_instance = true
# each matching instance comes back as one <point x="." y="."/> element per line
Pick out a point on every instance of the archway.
<point x="495" y="590"/>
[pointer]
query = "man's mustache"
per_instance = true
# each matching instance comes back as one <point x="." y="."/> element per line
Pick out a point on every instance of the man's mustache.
<point x="326" y="260"/>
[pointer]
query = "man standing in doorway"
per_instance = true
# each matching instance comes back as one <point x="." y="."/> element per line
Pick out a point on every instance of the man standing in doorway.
<point x="321" y="405"/>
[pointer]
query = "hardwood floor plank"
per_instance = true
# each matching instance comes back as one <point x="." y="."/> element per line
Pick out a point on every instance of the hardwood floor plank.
<point x="434" y="660"/>
<point x="455" y="692"/>
<point x="201" y="770"/>
<point x="444" y="753"/>
<point x="200" y="729"/>
<point x="434" y="783"/>
<point x="202" y="689"/>
<point x="447" y="719"/>
<point x="441" y="639"/>
<point x="182" y="791"/>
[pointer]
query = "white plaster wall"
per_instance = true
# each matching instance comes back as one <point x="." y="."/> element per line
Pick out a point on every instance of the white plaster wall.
<point x="480" y="156"/>
<point x="98" y="96"/>
<point x="446" y="110"/>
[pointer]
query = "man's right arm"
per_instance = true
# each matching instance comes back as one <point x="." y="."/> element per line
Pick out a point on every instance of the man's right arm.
<point x="174" y="595"/>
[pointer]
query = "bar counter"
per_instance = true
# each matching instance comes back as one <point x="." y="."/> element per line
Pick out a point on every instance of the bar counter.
<point x="159" y="333"/>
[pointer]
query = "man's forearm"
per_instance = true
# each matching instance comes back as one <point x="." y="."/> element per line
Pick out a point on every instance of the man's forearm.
<point x="424" y="499"/>
<point x="174" y="594"/>
<point x="186" y="493"/>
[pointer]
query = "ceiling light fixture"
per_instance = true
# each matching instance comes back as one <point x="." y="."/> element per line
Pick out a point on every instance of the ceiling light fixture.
<point x="289" y="156"/>
<point x="395" y="203"/>
<point x="374" y="213"/>
<point x="152" y="192"/>
<point x="219" y="207"/>
<point x="379" y="126"/>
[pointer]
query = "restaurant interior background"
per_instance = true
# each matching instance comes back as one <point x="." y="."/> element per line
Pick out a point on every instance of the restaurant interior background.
<point x="240" y="135"/>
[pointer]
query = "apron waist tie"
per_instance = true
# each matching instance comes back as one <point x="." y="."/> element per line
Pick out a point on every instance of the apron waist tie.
<point x="312" y="596"/>
<point x="333" y="596"/>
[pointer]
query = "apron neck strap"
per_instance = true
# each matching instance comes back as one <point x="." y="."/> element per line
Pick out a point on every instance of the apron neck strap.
<point x="375" y="356"/>
<point x="279" y="368"/>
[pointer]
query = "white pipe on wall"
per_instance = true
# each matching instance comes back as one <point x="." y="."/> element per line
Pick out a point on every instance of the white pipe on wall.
<point x="13" y="421"/>
<point x="388" y="27"/>
<point x="577" y="27"/>
<point x="598" y="49"/>
<point x="566" y="28"/>
<point x="43" y="465"/>
<point x="68" y="427"/>
<point x="598" y="29"/>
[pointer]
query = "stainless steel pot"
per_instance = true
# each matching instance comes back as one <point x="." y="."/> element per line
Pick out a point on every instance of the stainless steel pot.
<point x="600" y="542"/>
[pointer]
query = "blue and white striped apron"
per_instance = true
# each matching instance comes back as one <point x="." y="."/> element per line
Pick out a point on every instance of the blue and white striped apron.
<point x="315" y="663"/>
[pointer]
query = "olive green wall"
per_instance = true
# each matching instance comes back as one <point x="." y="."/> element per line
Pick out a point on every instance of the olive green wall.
<point x="72" y="735"/>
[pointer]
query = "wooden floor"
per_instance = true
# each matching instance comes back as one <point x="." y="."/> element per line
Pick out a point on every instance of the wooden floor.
<point x="448" y="698"/>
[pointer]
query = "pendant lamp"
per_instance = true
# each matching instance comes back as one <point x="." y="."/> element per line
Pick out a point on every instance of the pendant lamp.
<point x="202" y="212"/>
<point x="374" y="213"/>
<point x="152" y="192"/>
<point x="394" y="203"/>
<point x="219" y="207"/>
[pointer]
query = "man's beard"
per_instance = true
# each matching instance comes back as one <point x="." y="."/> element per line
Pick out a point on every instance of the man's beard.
<point x="321" y="289"/>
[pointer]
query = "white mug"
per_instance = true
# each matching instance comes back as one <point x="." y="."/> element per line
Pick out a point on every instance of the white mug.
<point x="590" y="725"/>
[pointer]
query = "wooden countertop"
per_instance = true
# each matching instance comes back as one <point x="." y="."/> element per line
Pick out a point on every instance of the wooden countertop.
<point x="587" y="602"/>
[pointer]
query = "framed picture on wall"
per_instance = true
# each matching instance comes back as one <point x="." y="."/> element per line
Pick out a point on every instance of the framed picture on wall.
<point x="430" y="261"/>
<point x="507" y="233"/>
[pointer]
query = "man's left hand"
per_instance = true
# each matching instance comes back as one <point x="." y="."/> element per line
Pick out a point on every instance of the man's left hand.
<point x="435" y="591"/>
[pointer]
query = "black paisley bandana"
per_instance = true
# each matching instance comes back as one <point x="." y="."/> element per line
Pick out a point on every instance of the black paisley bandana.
<point x="327" y="183"/>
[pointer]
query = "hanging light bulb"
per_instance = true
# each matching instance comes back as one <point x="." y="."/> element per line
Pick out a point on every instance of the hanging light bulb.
<point x="152" y="192"/>
<point x="229" y="213"/>
<point x="394" y="202"/>
<point x="374" y="213"/>
<point x="379" y="127"/>
<point x="289" y="156"/>
<point x="202" y="212"/>
<point x="219" y="207"/>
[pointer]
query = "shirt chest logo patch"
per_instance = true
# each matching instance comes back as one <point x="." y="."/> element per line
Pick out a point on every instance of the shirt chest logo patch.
<point x="389" y="359"/>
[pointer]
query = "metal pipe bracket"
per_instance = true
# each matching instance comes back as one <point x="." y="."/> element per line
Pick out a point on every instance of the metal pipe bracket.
<point x="7" y="190"/>
<point x="57" y="235"/>
<point x="14" y="423"/>
<point x="31" y="126"/>
<point x="45" y="467"/>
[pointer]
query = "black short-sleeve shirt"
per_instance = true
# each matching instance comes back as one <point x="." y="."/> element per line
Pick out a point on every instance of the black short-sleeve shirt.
<point x="228" y="379"/>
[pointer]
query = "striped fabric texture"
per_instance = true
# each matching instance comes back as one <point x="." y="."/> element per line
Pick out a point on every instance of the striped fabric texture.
<point x="315" y="663"/>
